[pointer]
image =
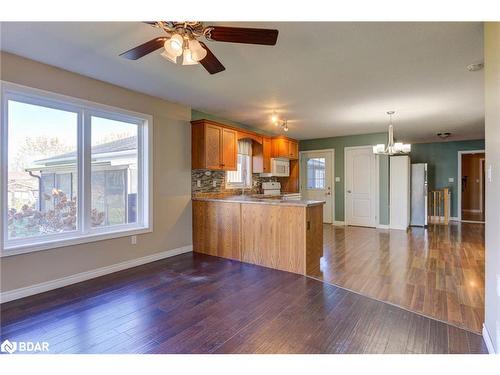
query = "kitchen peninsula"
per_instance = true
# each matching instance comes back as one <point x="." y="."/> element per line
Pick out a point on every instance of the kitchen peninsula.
<point x="271" y="231"/>
<point x="276" y="233"/>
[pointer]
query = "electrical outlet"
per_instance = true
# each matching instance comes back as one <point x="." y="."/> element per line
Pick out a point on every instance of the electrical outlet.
<point x="337" y="179"/>
<point x="133" y="240"/>
<point x="198" y="183"/>
<point x="214" y="183"/>
<point x="451" y="179"/>
<point x="490" y="173"/>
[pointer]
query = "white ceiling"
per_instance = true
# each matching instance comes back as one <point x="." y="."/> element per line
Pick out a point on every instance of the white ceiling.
<point x="328" y="79"/>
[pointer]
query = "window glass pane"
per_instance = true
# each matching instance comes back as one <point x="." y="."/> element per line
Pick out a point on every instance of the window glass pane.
<point x="41" y="142"/>
<point x="114" y="172"/>
<point x="242" y="177"/>
<point x="316" y="173"/>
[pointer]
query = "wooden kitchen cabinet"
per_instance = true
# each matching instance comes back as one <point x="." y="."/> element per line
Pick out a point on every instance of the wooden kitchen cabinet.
<point x="213" y="146"/>
<point x="285" y="148"/>
<point x="266" y="154"/>
<point x="229" y="150"/>
<point x="261" y="156"/>
<point x="293" y="148"/>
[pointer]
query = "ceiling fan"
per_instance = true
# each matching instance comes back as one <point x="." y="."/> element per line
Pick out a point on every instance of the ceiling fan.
<point x="182" y="39"/>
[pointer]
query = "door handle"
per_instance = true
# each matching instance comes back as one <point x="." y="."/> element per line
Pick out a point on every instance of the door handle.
<point x="349" y="191"/>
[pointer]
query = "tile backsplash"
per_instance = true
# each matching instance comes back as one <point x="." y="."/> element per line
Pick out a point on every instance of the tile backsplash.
<point x="208" y="177"/>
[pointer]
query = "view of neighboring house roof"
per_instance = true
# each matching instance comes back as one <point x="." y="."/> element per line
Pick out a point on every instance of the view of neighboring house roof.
<point x="119" y="145"/>
<point x="21" y="181"/>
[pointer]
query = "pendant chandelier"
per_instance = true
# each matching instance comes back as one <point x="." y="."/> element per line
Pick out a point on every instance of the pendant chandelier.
<point x="392" y="148"/>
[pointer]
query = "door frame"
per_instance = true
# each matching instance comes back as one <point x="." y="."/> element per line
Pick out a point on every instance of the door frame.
<point x="334" y="190"/>
<point x="375" y="188"/>
<point x="459" y="180"/>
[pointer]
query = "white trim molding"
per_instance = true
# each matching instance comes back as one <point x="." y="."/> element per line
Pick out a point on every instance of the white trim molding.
<point x="383" y="226"/>
<point x="87" y="275"/>
<point x="339" y="223"/>
<point x="488" y="341"/>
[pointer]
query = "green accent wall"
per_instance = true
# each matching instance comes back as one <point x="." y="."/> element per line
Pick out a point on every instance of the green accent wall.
<point x="442" y="160"/>
<point x="441" y="157"/>
<point x="338" y="144"/>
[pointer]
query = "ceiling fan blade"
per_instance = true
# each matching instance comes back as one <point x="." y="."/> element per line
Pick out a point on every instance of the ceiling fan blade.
<point x="242" y="35"/>
<point x="144" y="49"/>
<point x="210" y="62"/>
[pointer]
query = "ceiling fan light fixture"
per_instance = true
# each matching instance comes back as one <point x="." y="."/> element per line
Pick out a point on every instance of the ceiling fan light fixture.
<point x="167" y="55"/>
<point x="174" y="45"/>
<point x="187" y="58"/>
<point x="198" y="53"/>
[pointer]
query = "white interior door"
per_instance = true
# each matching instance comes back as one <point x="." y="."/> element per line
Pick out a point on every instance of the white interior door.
<point x="316" y="171"/>
<point x="360" y="186"/>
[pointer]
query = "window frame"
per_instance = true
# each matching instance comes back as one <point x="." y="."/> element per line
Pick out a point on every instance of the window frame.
<point x="241" y="185"/>
<point x="85" y="110"/>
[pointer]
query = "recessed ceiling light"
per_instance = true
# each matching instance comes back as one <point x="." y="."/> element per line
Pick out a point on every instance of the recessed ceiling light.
<point x="475" y="67"/>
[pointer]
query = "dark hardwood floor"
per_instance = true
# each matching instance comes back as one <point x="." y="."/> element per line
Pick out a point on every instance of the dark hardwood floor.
<point x="437" y="272"/>
<point x="195" y="303"/>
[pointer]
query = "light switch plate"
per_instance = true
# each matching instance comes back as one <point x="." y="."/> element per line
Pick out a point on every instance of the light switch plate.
<point x="198" y="183"/>
<point x="451" y="179"/>
<point x="337" y="179"/>
<point x="214" y="183"/>
<point x="133" y="240"/>
<point x="490" y="173"/>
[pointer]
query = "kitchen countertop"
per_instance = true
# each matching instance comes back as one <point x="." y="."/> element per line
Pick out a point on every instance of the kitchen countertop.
<point x="257" y="198"/>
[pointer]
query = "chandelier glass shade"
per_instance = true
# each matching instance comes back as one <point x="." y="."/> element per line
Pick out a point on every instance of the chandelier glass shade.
<point x="392" y="148"/>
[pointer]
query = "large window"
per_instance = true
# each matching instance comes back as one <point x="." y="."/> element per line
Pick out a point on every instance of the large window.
<point x="76" y="171"/>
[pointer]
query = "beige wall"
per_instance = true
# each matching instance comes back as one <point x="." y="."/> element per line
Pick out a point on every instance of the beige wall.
<point x="492" y="98"/>
<point x="172" y="178"/>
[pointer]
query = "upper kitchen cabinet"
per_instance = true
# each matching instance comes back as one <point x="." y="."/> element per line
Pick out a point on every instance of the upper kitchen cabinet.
<point x="213" y="146"/>
<point x="262" y="156"/>
<point x="283" y="147"/>
<point x="294" y="150"/>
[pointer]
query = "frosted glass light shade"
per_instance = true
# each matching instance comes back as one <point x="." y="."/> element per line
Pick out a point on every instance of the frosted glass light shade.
<point x="198" y="53"/>
<point x="398" y="147"/>
<point x="167" y="55"/>
<point x="174" y="45"/>
<point x="187" y="59"/>
<point x="406" y="148"/>
<point x="379" y="149"/>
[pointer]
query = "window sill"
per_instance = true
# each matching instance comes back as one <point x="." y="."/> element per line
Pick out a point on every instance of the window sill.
<point x="76" y="240"/>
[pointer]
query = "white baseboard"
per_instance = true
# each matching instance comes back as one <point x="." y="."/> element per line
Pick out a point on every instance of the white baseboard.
<point x="383" y="226"/>
<point x="487" y="340"/>
<point x="336" y="222"/>
<point x="454" y="218"/>
<point x="87" y="275"/>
